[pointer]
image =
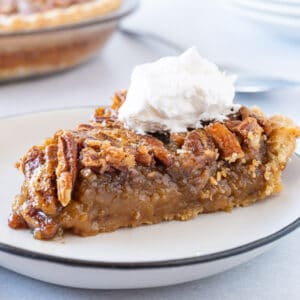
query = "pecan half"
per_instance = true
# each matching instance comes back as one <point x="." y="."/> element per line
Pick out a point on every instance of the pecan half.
<point x="38" y="166"/>
<point x="142" y="156"/>
<point x="178" y="138"/>
<point x="226" y="141"/>
<point x="158" y="149"/>
<point x="199" y="143"/>
<point x="66" y="171"/>
<point x="85" y="127"/>
<point x="118" y="99"/>
<point x="249" y="130"/>
<point x="257" y="114"/>
<point x="31" y="161"/>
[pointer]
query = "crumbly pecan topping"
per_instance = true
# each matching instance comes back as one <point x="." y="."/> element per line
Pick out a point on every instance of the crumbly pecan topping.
<point x="104" y="148"/>
<point x="106" y="145"/>
<point x="103" y="155"/>
<point x="105" y="114"/>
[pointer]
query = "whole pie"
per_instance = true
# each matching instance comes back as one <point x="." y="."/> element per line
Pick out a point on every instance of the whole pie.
<point x="103" y="176"/>
<point x="42" y="36"/>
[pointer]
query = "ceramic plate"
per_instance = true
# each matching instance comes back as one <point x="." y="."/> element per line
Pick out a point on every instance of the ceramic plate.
<point x="146" y="256"/>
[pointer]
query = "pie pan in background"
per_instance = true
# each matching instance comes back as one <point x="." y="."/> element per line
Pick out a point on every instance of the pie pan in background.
<point x="32" y="52"/>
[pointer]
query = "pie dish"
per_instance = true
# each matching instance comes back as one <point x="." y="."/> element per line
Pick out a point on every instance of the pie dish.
<point x="102" y="176"/>
<point x="19" y="15"/>
<point x="38" y="37"/>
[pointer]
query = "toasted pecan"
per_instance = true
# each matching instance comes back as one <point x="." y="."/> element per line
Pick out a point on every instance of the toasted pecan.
<point x="66" y="171"/>
<point x="249" y="130"/>
<point x="158" y="149"/>
<point x="226" y="141"/>
<point x="85" y="127"/>
<point x="38" y="166"/>
<point x="257" y="114"/>
<point x="142" y="156"/>
<point x="178" y="138"/>
<point x="118" y="99"/>
<point x="31" y="161"/>
<point x="199" y="143"/>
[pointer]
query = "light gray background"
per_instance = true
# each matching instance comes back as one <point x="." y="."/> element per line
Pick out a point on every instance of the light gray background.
<point x="222" y="38"/>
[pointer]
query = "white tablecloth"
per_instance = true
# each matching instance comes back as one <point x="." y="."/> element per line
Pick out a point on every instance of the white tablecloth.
<point x="220" y="37"/>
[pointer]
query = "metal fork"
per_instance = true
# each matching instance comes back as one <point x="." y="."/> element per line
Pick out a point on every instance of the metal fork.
<point x="247" y="82"/>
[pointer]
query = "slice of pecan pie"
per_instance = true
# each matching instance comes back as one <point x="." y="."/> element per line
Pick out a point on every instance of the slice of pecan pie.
<point x="103" y="176"/>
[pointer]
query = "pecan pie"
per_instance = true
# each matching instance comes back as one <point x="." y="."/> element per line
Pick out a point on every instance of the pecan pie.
<point x="102" y="176"/>
<point x="41" y="36"/>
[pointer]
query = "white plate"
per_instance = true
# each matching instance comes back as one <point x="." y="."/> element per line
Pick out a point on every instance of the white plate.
<point x="147" y="256"/>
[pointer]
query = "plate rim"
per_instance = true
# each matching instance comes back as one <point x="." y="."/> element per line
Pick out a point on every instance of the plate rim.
<point x="198" y="259"/>
<point x="201" y="259"/>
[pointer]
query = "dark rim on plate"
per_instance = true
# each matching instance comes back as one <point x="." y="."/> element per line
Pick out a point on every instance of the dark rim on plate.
<point x="127" y="7"/>
<point x="146" y="265"/>
<point x="155" y="264"/>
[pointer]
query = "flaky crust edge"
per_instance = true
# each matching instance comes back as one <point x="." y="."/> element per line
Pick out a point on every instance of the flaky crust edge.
<point x="58" y="17"/>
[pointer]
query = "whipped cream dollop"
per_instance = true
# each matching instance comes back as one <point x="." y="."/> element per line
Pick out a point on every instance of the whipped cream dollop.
<point x="176" y="93"/>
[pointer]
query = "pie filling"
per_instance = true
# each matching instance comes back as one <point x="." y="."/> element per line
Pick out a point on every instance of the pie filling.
<point x="103" y="176"/>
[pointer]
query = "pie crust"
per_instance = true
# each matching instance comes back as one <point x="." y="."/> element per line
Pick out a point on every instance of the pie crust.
<point x="102" y="176"/>
<point x="58" y="17"/>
